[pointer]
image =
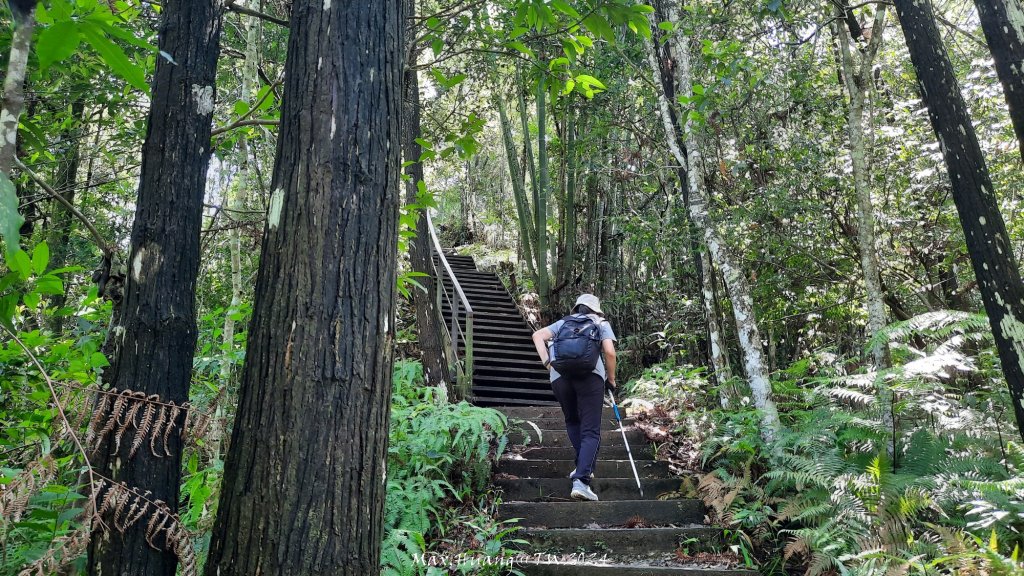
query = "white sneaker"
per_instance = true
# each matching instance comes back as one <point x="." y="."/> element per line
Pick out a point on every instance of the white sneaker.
<point x="581" y="491"/>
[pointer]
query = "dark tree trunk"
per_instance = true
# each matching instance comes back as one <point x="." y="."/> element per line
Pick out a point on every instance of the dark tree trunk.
<point x="304" y="483"/>
<point x="62" y="221"/>
<point x="435" y="370"/>
<point x="1003" y="24"/>
<point x="987" y="240"/>
<point x="155" y="338"/>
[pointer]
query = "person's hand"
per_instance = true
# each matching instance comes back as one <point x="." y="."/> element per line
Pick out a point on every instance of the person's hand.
<point x="610" y="384"/>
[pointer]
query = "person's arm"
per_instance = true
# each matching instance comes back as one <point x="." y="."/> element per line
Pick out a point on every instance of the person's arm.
<point x="608" y="347"/>
<point x="540" y="341"/>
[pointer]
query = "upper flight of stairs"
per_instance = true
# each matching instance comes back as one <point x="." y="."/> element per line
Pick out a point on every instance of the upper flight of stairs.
<point x="623" y="533"/>
<point x="506" y="369"/>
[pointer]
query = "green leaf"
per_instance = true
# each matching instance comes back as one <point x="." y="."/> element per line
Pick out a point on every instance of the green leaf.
<point x="18" y="261"/>
<point x="114" y="57"/>
<point x="98" y="360"/>
<point x="49" y="284"/>
<point x="515" y="45"/>
<point x="10" y="219"/>
<point x="56" y="43"/>
<point x="40" y="257"/>
<point x="588" y="80"/>
<point x="565" y="8"/>
<point x="31" y="299"/>
<point x="7" y="305"/>
<point x="599" y="27"/>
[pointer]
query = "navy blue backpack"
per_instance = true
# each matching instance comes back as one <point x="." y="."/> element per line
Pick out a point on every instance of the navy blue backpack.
<point x="576" y="347"/>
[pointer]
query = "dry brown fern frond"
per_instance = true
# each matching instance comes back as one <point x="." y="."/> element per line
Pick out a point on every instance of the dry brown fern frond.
<point x="144" y="417"/>
<point x="98" y="414"/>
<point x="796" y="547"/>
<point x="126" y="507"/>
<point x="146" y="425"/>
<point x="15" y="495"/>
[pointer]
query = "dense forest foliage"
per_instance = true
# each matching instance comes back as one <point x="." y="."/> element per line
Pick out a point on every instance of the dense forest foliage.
<point x="803" y="217"/>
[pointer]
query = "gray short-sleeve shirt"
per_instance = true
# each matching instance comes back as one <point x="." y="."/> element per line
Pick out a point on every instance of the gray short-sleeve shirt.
<point x="605" y="332"/>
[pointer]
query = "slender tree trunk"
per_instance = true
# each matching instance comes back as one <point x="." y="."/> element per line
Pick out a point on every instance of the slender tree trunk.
<point x="987" y="241"/>
<point x="857" y="81"/>
<point x="541" y="202"/>
<point x="62" y="221"/>
<point x="304" y="480"/>
<point x="569" y="204"/>
<point x="13" y="102"/>
<point x="234" y="204"/>
<point x="526" y="231"/>
<point x="716" y="338"/>
<point x="155" y="336"/>
<point x="739" y="290"/>
<point x="1003" y="24"/>
<point x="435" y="369"/>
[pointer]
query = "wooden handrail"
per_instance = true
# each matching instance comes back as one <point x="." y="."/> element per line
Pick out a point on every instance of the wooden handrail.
<point x="465" y="376"/>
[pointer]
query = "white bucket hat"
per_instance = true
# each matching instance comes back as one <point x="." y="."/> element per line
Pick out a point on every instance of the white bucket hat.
<point x="590" y="301"/>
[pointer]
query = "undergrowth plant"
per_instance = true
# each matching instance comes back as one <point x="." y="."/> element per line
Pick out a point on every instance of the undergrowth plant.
<point x="839" y="492"/>
<point x="439" y="460"/>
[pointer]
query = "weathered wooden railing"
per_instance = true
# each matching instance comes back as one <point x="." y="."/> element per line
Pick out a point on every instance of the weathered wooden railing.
<point x="457" y="332"/>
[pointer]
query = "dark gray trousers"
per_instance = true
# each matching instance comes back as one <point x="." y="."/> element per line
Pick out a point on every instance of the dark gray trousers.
<point x="582" y="400"/>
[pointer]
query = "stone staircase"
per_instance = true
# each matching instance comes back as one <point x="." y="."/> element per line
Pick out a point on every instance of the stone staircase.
<point x="623" y="533"/>
<point x="506" y="369"/>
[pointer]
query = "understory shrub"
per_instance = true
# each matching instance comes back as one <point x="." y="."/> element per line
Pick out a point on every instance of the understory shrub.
<point x="836" y="494"/>
<point x="439" y="467"/>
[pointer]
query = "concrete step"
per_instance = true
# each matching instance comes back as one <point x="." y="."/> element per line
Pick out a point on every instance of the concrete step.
<point x="561" y="468"/>
<point x="605" y="514"/>
<point x="616" y="452"/>
<point x="500" y="402"/>
<point x="608" y="489"/>
<point x="622" y="541"/>
<point x="560" y="567"/>
<point x="558" y="423"/>
<point x="530" y="412"/>
<point x="560" y="439"/>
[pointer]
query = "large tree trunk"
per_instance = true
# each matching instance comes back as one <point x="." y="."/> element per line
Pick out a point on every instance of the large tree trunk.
<point x="736" y="283"/>
<point x="435" y="370"/>
<point x="304" y="481"/>
<point x="987" y="241"/>
<point x="155" y="336"/>
<point x="1003" y="24"/>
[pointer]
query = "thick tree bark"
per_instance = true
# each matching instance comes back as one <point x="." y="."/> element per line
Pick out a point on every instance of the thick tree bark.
<point x="1003" y="24"/>
<point x="304" y="481"/>
<point x="987" y="241"/>
<point x="736" y="283"/>
<point x="154" y="338"/>
<point x="435" y="370"/>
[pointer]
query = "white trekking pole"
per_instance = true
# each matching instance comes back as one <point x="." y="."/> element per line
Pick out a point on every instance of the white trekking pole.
<point x="615" y="408"/>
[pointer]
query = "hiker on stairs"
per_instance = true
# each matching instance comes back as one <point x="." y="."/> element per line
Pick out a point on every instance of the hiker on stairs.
<point x="579" y="350"/>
